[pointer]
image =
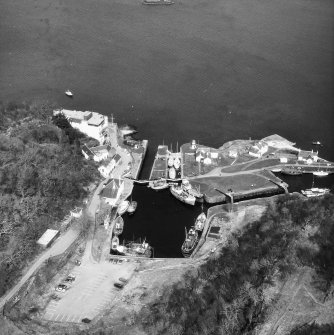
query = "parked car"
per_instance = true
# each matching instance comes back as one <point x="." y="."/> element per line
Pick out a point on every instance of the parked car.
<point x="61" y="288"/>
<point x="77" y="262"/>
<point x="86" y="320"/>
<point x="69" y="279"/>
<point x="123" y="280"/>
<point x="119" y="285"/>
<point x="56" y="297"/>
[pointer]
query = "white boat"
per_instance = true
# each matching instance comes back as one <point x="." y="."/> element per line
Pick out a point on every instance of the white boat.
<point x="172" y="173"/>
<point x="69" y="93"/>
<point x="200" y="221"/>
<point x="114" y="243"/>
<point x="159" y="184"/>
<point x="276" y="170"/>
<point x="182" y="195"/>
<point x="320" y="173"/>
<point x="132" y="207"/>
<point x="190" y="242"/>
<point x="316" y="143"/>
<point x="315" y="192"/>
<point x="188" y="188"/>
<point x="177" y="163"/>
<point x="170" y="161"/>
<point x="119" y="225"/>
<point x="122" y="208"/>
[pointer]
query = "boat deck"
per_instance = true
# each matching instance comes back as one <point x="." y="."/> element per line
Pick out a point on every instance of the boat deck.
<point x="159" y="168"/>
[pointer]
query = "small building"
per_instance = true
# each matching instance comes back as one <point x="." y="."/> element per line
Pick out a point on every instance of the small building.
<point x="207" y="160"/>
<point x="283" y="160"/>
<point x="193" y="145"/>
<point x="48" y="237"/>
<point x="112" y="191"/>
<point x="106" y="167"/>
<point x="87" y="152"/>
<point x="233" y="153"/>
<point x="307" y="156"/>
<point x="258" y="149"/>
<point x="214" y="154"/>
<point x="199" y="155"/>
<point x="102" y="152"/>
<point x="76" y="212"/>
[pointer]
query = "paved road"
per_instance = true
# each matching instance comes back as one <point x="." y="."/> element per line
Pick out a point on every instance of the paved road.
<point x="63" y="242"/>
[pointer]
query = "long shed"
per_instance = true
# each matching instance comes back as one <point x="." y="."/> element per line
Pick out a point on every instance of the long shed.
<point x="48" y="237"/>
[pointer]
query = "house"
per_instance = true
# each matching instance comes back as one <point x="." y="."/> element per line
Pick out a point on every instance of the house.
<point x="102" y="152"/>
<point x="283" y="160"/>
<point x="258" y="149"/>
<point x="112" y="191"/>
<point x="307" y="156"/>
<point x="89" y="123"/>
<point x="87" y="152"/>
<point x="48" y="237"/>
<point x="106" y="167"/>
<point x="207" y="160"/>
<point x="76" y="212"/>
<point x="233" y="153"/>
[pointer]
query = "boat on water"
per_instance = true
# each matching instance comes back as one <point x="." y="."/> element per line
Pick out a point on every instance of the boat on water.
<point x="316" y="143"/>
<point x="69" y="93"/>
<point x="177" y="163"/>
<point x="114" y="243"/>
<point x="200" y="221"/>
<point x="132" y="207"/>
<point x="191" y="190"/>
<point x="159" y="184"/>
<point x="292" y="171"/>
<point x="119" y="225"/>
<point x="190" y="242"/>
<point x="135" y="249"/>
<point x="320" y="173"/>
<point x="315" y="192"/>
<point x="123" y="206"/>
<point x="182" y="195"/>
<point x="172" y="173"/>
<point x="157" y="2"/>
<point x="170" y="161"/>
<point x="127" y="130"/>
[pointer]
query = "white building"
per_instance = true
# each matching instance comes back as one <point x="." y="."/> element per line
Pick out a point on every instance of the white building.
<point x="103" y="152"/>
<point x="89" y="123"/>
<point x="233" y="153"/>
<point x="258" y="149"/>
<point x="108" y="165"/>
<point x="112" y="191"/>
<point x="283" y="160"/>
<point x="48" y="237"/>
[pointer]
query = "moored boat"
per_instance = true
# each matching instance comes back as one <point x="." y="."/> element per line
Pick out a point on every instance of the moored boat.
<point x="190" y="242"/>
<point x="320" y="173"/>
<point x="132" y="207"/>
<point x="316" y="143"/>
<point x="69" y="93"/>
<point x="123" y="206"/>
<point x="200" y="221"/>
<point x="292" y="171"/>
<point x="190" y="189"/>
<point x="119" y="225"/>
<point x="135" y="249"/>
<point x="157" y="2"/>
<point x="159" y="184"/>
<point x="177" y="163"/>
<point x="182" y="195"/>
<point x="170" y="161"/>
<point x="172" y="173"/>
<point x="315" y="192"/>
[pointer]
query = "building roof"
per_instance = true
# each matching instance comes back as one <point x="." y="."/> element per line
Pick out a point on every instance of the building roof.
<point x="87" y="151"/>
<point x="48" y="236"/>
<point x="96" y="119"/>
<point x="111" y="189"/>
<point x="93" y="118"/>
<point x="307" y="154"/>
<point x="117" y="158"/>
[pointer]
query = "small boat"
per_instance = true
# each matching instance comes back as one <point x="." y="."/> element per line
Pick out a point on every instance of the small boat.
<point x="316" y="143"/>
<point x="276" y="170"/>
<point x="192" y="191"/>
<point x="114" y="243"/>
<point x="170" y="161"/>
<point x="320" y="173"/>
<point x="69" y="93"/>
<point x="119" y="225"/>
<point x="315" y="192"/>
<point x="200" y="221"/>
<point x="182" y="195"/>
<point x="132" y="207"/>
<point x="190" y="242"/>
<point x="122" y="208"/>
<point x="159" y="184"/>
<point x="177" y="163"/>
<point x="141" y="249"/>
<point x="292" y="171"/>
<point x="157" y="2"/>
<point x="172" y="173"/>
<point x="127" y="130"/>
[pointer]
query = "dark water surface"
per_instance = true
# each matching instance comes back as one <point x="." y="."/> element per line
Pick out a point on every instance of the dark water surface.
<point x="209" y="70"/>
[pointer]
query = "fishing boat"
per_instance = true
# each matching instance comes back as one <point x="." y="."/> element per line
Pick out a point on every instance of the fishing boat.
<point x="132" y="207"/>
<point x="182" y="195"/>
<point x="177" y="163"/>
<point x="315" y="192"/>
<point x="316" y="143"/>
<point x="119" y="225"/>
<point x="135" y="249"/>
<point x="190" y="242"/>
<point x="292" y="171"/>
<point x="157" y="2"/>
<point x="159" y="184"/>
<point x="114" y="243"/>
<point x="123" y="206"/>
<point x="172" y="173"/>
<point x="69" y="93"/>
<point x="320" y="173"/>
<point x="191" y="190"/>
<point x="170" y="161"/>
<point x="200" y="221"/>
